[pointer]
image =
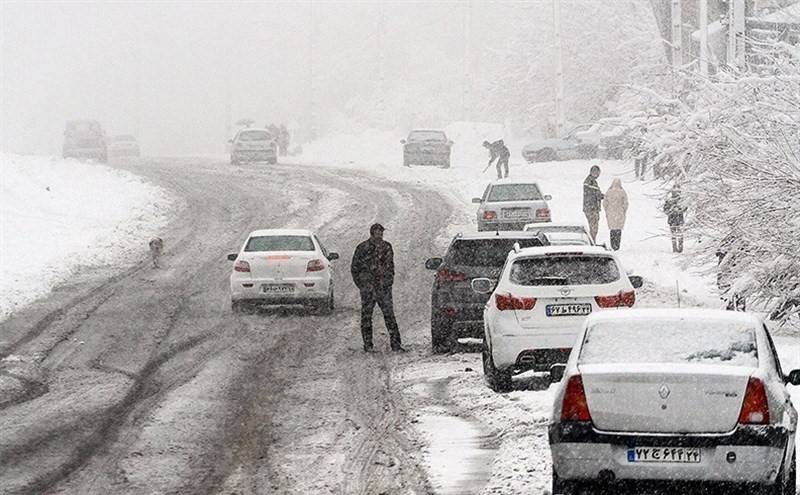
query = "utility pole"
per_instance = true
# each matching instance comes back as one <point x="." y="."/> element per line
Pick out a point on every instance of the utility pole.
<point x="311" y="88"/>
<point x="467" y="93"/>
<point x="677" y="35"/>
<point x="559" y="69"/>
<point x="703" y="23"/>
<point x="736" y="12"/>
<point x="382" y="66"/>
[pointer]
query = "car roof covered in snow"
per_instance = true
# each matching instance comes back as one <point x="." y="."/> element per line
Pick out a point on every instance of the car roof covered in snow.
<point x="514" y="181"/>
<point x="672" y="313"/>
<point x="498" y="234"/>
<point x="271" y="232"/>
<point x="550" y="250"/>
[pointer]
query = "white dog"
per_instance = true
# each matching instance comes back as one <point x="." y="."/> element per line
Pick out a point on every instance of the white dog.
<point x="156" y="248"/>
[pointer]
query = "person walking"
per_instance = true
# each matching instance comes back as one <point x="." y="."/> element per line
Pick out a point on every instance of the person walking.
<point x="372" y="269"/>
<point x="615" y="203"/>
<point x="640" y="154"/>
<point x="675" y="209"/>
<point x="499" y="151"/>
<point x="592" y="197"/>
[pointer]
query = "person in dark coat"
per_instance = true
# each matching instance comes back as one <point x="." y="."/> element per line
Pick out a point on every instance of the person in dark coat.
<point x="675" y="210"/>
<point x="372" y="269"/>
<point x="592" y="197"/>
<point x="499" y="151"/>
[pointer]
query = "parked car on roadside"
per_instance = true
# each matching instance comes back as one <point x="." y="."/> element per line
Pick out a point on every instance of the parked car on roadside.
<point x="567" y="147"/>
<point x="510" y="204"/>
<point x="282" y="266"/>
<point x="562" y="234"/>
<point x="253" y="145"/>
<point x="123" y="145"/>
<point x="673" y="397"/>
<point x="85" y="139"/>
<point x="538" y="305"/>
<point x="426" y="147"/>
<point x="457" y="310"/>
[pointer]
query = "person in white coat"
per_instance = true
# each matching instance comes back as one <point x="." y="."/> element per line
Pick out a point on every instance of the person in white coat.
<point x="616" y="205"/>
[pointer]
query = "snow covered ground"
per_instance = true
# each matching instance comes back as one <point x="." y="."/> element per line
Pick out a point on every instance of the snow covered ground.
<point x="57" y="215"/>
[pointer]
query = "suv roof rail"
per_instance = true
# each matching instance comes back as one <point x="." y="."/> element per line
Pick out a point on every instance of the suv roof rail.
<point x="516" y="247"/>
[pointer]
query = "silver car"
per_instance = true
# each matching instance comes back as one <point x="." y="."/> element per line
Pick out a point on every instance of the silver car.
<point x="678" y="396"/>
<point x="253" y="145"/>
<point x="563" y="234"/>
<point x="511" y="204"/>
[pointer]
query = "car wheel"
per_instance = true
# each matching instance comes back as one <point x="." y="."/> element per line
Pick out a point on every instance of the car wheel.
<point x="441" y="336"/>
<point x="786" y="481"/>
<point x="546" y="155"/>
<point x="499" y="381"/>
<point x="238" y="307"/>
<point x="406" y="162"/>
<point x="562" y="487"/>
<point x="446" y="163"/>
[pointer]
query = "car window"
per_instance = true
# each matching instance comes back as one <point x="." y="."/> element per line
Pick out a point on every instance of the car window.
<point x="485" y="252"/>
<point x="280" y="243"/>
<point x="670" y="341"/>
<point x="321" y="247"/>
<point x="564" y="270"/>
<point x="254" y="136"/>
<point x="515" y="192"/>
<point x="427" y="136"/>
<point x="568" y="239"/>
<point x="774" y="352"/>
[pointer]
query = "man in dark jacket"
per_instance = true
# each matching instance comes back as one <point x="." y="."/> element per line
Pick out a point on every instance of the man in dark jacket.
<point x="675" y="209"/>
<point x="372" y="269"/>
<point x="592" y="197"/>
<point x="499" y="151"/>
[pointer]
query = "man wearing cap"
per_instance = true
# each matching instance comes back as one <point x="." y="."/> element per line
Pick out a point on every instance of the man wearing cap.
<point x="372" y="269"/>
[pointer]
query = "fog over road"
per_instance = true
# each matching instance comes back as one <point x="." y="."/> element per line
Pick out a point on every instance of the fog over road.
<point x="145" y="382"/>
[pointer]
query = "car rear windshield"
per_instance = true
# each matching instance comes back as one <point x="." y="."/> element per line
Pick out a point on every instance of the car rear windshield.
<point x="485" y="252"/>
<point x="650" y="340"/>
<point x="427" y="136"/>
<point x="514" y="192"/>
<point x="568" y="239"/>
<point x="254" y="136"/>
<point x="564" y="270"/>
<point x="280" y="243"/>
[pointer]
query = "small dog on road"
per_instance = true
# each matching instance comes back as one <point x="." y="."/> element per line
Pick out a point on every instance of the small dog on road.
<point x="156" y="248"/>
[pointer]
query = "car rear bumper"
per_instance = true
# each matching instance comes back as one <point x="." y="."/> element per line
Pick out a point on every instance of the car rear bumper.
<point x="750" y="454"/>
<point x="533" y="350"/>
<point x="513" y="225"/>
<point x="244" y="289"/>
<point x="253" y="155"/>
<point x="84" y="153"/>
<point x="464" y="320"/>
<point x="422" y="157"/>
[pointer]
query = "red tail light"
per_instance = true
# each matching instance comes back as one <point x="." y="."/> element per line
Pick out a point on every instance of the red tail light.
<point x="617" y="300"/>
<point x="543" y="213"/>
<point x="506" y="302"/>
<point x="241" y="266"/>
<point x="755" y="409"/>
<point x="450" y="276"/>
<point x="574" y="407"/>
<point x="315" y="266"/>
<point x="489" y="215"/>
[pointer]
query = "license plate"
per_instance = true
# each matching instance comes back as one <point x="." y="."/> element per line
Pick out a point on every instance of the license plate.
<point x="568" y="309"/>
<point x="277" y="288"/>
<point x="523" y="213"/>
<point x="680" y="455"/>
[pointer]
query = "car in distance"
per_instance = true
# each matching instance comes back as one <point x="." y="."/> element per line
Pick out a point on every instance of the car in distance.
<point x="282" y="266"/>
<point x="426" y="147"/>
<point x="538" y="305"/>
<point x="253" y="145"/>
<point x="509" y="204"/>
<point x="457" y="310"/>
<point x="674" y="396"/>
<point x="562" y="234"/>
<point x="85" y="139"/>
<point x="123" y="145"/>
<point x="568" y="147"/>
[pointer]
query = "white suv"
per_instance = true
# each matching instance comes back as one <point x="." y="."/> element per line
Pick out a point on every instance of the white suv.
<point x="539" y="303"/>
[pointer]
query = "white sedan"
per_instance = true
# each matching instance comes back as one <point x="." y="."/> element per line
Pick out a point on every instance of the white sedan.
<point x="539" y="303"/>
<point x="678" y="396"/>
<point x="282" y="266"/>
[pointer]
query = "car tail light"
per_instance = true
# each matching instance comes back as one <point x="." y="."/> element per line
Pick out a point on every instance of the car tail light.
<point x="241" y="266"/>
<point x="543" y="213"/>
<point x="755" y="409"/>
<point x="489" y="215"/>
<point x="450" y="276"/>
<point x="617" y="300"/>
<point x="574" y="407"/>
<point x="504" y="302"/>
<point x="315" y="265"/>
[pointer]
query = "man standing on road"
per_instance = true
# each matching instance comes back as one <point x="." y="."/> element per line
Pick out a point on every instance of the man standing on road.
<point x="498" y="150"/>
<point x="592" y="196"/>
<point x="372" y="269"/>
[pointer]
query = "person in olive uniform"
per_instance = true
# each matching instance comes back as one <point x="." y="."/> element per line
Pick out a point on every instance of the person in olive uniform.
<point x="372" y="269"/>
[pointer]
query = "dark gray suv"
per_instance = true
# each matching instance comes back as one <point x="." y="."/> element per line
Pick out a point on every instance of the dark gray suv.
<point x="457" y="310"/>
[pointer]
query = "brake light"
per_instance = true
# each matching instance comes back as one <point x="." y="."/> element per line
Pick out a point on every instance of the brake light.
<point x="315" y="265"/>
<point x="450" y="276"/>
<point x="543" y="213"/>
<point x="505" y="302"/>
<point x="489" y="215"/>
<point x="241" y="266"/>
<point x="574" y="407"/>
<point x="617" y="300"/>
<point x="755" y="409"/>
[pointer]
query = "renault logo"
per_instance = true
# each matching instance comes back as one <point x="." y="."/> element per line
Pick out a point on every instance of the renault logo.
<point x="663" y="391"/>
<point x="565" y="291"/>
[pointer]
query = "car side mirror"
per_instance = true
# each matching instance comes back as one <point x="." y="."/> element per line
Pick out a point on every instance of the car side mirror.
<point x="793" y="377"/>
<point x="402" y="141"/>
<point x="333" y="256"/>
<point x="476" y="200"/>
<point x="232" y="257"/>
<point x="433" y="263"/>
<point x="557" y="372"/>
<point x="636" y="281"/>
<point x="547" y="197"/>
<point x="482" y="285"/>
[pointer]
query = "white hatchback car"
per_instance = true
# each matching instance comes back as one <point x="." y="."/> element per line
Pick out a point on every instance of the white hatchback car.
<point x="654" y="396"/>
<point x="539" y="303"/>
<point x="283" y="266"/>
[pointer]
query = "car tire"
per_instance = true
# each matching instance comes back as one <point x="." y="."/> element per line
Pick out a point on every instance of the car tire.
<point x="546" y="155"/>
<point x="406" y="162"/>
<point x="446" y="163"/>
<point x="441" y="336"/>
<point x="238" y="307"/>
<point x="786" y="481"/>
<point x="561" y="487"/>
<point x="498" y="380"/>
